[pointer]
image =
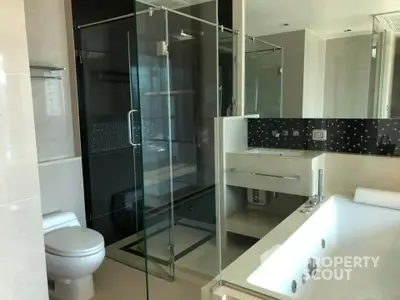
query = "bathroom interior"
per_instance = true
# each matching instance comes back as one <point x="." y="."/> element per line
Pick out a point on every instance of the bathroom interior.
<point x="184" y="147"/>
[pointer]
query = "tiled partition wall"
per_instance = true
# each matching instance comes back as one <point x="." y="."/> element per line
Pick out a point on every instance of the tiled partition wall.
<point x="55" y="106"/>
<point x="357" y="136"/>
<point x="22" y="257"/>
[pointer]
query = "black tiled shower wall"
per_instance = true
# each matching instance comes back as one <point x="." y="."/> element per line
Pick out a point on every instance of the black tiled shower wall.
<point x="357" y="136"/>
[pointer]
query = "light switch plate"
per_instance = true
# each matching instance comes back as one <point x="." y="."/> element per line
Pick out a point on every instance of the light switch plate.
<point x="319" y="135"/>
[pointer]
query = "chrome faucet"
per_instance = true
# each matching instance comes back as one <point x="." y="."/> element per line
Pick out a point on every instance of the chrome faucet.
<point x="277" y="134"/>
<point x="319" y="198"/>
<point x="321" y="185"/>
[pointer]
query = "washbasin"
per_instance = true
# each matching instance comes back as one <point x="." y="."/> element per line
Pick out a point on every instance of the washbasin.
<point x="275" y="152"/>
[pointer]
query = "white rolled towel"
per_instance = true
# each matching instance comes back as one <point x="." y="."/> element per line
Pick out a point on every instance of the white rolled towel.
<point x="377" y="198"/>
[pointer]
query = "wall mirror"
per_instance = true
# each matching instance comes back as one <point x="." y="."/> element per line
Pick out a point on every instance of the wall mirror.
<point x="329" y="62"/>
<point x="263" y="88"/>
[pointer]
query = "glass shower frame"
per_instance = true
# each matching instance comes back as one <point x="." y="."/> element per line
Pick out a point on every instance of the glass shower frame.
<point x="151" y="74"/>
<point x="163" y="49"/>
<point x="137" y="135"/>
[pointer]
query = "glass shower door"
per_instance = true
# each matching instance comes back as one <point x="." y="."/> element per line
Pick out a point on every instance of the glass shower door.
<point x="150" y="129"/>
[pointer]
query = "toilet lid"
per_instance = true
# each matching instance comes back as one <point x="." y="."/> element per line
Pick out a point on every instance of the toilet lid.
<point x="73" y="241"/>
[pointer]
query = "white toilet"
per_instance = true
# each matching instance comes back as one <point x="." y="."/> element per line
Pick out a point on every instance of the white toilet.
<point x="73" y="253"/>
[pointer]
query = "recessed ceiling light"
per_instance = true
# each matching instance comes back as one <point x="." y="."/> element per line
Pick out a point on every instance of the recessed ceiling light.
<point x="347" y="30"/>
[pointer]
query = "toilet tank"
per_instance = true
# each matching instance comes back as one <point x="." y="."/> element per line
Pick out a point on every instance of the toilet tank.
<point x="58" y="220"/>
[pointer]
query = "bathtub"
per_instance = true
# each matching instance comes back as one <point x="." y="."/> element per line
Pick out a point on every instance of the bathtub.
<point x="343" y="250"/>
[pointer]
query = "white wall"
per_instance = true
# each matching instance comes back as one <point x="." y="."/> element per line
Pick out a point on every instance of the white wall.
<point x="293" y="70"/>
<point x="345" y="172"/>
<point x="50" y="43"/>
<point x="347" y="77"/>
<point x="314" y="75"/>
<point x="61" y="186"/>
<point x="23" y="268"/>
<point x="303" y="73"/>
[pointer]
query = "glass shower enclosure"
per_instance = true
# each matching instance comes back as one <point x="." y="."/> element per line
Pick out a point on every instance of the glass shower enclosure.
<point x="178" y="99"/>
<point x="149" y="93"/>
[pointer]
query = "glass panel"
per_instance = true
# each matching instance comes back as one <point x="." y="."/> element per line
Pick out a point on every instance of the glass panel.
<point x="263" y="79"/>
<point x="233" y="246"/>
<point x="109" y="161"/>
<point x="194" y="104"/>
<point x="153" y="120"/>
<point x="383" y="86"/>
<point x="226" y="71"/>
<point x="113" y="172"/>
<point x="178" y="101"/>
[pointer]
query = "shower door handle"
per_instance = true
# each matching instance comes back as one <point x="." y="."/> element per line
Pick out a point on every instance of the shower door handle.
<point x="131" y="134"/>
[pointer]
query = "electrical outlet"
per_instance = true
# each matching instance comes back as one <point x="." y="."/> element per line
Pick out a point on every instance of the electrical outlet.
<point x="319" y="135"/>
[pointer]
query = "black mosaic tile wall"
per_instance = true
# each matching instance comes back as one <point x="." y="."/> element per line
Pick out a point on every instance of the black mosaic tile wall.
<point x="108" y="136"/>
<point x="358" y="136"/>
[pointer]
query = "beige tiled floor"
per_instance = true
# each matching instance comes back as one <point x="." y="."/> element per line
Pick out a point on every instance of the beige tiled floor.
<point x="115" y="281"/>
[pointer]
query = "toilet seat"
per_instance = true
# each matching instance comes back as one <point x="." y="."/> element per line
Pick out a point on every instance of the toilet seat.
<point x="73" y="242"/>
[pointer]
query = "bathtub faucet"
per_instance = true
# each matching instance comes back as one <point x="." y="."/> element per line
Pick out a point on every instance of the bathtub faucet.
<point x="317" y="199"/>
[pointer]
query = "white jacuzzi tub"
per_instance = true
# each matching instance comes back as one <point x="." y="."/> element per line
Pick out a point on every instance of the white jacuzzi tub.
<point x="366" y="238"/>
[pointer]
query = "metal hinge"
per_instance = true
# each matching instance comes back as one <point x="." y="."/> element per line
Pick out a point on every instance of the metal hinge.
<point x="162" y="48"/>
<point x="171" y="250"/>
<point x="78" y="55"/>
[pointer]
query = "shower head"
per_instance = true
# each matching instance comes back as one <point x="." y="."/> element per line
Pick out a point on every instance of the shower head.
<point x="183" y="36"/>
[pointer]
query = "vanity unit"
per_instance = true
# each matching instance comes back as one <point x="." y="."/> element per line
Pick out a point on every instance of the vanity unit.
<point x="248" y="182"/>
<point x="256" y="189"/>
<point x="283" y="171"/>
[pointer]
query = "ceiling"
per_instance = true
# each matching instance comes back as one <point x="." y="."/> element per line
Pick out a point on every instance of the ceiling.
<point x="327" y="18"/>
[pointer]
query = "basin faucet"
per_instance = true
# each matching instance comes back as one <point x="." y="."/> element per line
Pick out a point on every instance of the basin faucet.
<point x="275" y="133"/>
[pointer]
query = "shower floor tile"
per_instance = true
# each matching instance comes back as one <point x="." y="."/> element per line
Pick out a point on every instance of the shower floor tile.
<point x="189" y="242"/>
<point x="204" y="260"/>
<point x="184" y="238"/>
<point x="114" y="280"/>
